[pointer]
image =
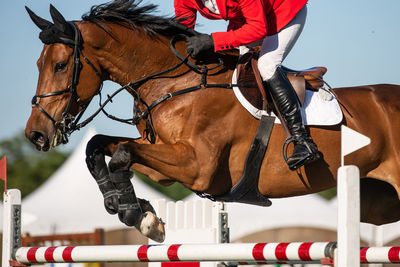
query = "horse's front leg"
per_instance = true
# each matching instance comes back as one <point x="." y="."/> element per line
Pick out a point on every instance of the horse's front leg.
<point x="97" y="148"/>
<point x="118" y="192"/>
<point x="176" y="161"/>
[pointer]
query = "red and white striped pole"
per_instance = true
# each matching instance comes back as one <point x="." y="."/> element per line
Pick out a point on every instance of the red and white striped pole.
<point x="261" y="253"/>
<point x="230" y="252"/>
<point x="380" y="255"/>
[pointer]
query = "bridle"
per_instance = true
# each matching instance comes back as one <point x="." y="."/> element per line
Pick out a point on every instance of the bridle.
<point x="69" y="123"/>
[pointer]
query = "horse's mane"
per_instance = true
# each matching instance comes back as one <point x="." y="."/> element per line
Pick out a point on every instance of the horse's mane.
<point x="128" y="13"/>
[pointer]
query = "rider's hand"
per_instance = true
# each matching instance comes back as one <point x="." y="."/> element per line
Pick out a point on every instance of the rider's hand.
<point x="195" y="45"/>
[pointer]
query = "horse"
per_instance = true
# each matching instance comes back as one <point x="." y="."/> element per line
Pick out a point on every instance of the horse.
<point x="199" y="137"/>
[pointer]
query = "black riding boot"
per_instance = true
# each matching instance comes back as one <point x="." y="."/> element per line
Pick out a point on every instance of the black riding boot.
<point x="285" y="98"/>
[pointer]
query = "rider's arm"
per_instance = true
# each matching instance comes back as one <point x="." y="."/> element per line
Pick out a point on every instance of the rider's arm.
<point x="185" y="12"/>
<point x="253" y="29"/>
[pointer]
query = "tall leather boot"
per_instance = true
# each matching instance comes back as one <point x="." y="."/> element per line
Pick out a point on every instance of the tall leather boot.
<point x="285" y="98"/>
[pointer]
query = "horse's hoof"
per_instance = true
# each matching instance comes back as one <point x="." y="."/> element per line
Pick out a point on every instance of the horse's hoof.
<point x="152" y="227"/>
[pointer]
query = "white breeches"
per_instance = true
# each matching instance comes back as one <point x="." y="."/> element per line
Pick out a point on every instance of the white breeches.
<point x="276" y="47"/>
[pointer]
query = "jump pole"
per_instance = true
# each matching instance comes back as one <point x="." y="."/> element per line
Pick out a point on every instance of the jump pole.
<point x="243" y="253"/>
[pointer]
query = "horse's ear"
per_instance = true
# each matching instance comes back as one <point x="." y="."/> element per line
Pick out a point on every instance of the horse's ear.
<point x="41" y="23"/>
<point x="60" y="22"/>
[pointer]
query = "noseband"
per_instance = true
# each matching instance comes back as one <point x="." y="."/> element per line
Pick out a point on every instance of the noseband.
<point x="69" y="123"/>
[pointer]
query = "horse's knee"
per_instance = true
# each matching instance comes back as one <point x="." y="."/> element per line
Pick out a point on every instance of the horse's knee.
<point x="95" y="159"/>
<point x="121" y="159"/>
<point x="95" y="143"/>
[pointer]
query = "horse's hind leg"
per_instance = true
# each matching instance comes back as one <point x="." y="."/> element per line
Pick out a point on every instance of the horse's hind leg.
<point x="116" y="187"/>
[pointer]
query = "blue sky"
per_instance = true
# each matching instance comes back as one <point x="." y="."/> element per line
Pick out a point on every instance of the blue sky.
<point x="358" y="41"/>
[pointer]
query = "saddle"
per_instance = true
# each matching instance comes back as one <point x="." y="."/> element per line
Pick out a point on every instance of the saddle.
<point x="250" y="84"/>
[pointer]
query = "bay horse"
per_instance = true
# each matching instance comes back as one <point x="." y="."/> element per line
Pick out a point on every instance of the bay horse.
<point x="198" y="138"/>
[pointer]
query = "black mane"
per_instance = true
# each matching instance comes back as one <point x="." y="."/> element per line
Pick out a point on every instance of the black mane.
<point x="128" y="13"/>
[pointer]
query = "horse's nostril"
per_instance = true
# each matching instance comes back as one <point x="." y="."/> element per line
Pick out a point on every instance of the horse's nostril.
<point x="37" y="138"/>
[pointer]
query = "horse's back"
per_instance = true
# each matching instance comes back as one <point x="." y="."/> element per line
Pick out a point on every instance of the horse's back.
<point x="374" y="110"/>
<point x="378" y="93"/>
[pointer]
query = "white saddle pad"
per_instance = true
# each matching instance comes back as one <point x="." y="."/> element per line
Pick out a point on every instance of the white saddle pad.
<point x="319" y="108"/>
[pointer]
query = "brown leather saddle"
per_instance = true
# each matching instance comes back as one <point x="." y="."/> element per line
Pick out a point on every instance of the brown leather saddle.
<point x="250" y="84"/>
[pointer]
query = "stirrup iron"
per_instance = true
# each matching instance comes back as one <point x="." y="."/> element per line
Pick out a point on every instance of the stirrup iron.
<point x="308" y="159"/>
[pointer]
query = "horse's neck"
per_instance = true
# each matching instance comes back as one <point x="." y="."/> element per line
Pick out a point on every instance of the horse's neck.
<point x="130" y="55"/>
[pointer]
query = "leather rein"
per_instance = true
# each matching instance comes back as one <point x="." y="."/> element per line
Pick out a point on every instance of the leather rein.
<point x="149" y="132"/>
<point x="69" y="123"/>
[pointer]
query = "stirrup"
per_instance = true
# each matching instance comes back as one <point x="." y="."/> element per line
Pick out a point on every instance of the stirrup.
<point x="308" y="159"/>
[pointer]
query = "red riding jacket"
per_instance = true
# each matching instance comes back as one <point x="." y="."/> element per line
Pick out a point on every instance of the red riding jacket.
<point x="249" y="20"/>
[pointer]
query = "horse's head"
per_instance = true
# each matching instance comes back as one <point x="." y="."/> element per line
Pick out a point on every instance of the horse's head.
<point x="66" y="83"/>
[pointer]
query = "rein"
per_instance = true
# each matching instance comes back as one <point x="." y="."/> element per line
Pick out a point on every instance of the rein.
<point x="146" y="114"/>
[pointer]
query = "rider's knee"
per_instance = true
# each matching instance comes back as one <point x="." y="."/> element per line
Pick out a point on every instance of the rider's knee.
<point x="267" y="67"/>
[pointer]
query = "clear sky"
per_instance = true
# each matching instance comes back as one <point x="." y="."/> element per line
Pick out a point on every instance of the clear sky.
<point x="357" y="40"/>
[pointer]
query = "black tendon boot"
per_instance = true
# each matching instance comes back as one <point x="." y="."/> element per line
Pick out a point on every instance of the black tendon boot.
<point x="129" y="210"/>
<point x="285" y="98"/>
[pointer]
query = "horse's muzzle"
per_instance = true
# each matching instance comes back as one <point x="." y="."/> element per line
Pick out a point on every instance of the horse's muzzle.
<point x="39" y="140"/>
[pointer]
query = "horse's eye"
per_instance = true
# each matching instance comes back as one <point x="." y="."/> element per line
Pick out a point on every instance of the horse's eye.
<point x="60" y="66"/>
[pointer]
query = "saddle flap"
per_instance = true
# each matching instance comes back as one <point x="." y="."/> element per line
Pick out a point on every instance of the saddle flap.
<point x="299" y="86"/>
<point x="250" y="84"/>
<point x="247" y="83"/>
<point x="312" y="76"/>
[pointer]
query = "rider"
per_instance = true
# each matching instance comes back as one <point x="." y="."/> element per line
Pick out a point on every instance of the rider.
<point x="276" y="24"/>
